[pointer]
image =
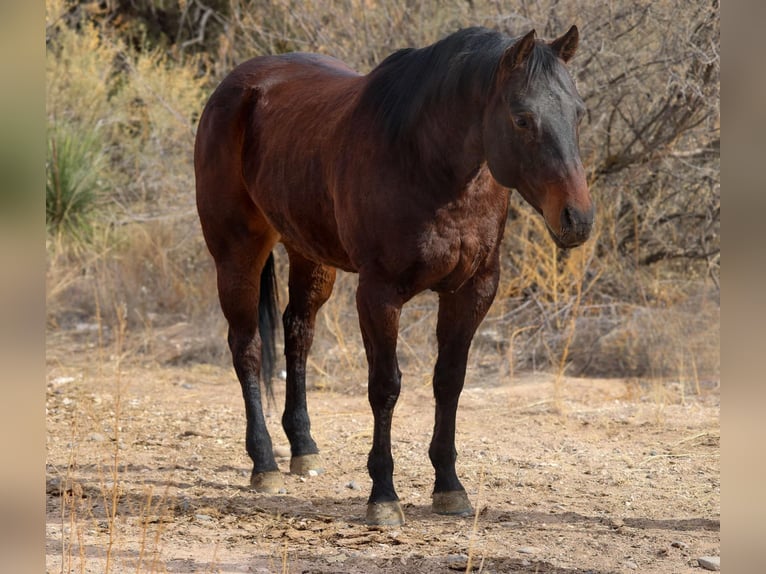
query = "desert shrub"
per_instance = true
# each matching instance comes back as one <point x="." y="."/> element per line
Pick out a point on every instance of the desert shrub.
<point x="121" y="124"/>
<point x="647" y="70"/>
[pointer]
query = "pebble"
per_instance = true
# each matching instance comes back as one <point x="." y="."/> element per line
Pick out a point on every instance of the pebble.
<point x="527" y="550"/>
<point x="63" y="380"/>
<point x="203" y="517"/>
<point x="352" y="485"/>
<point x="710" y="562"/>
<point x="457" y="562"/>
<point x="631" y="565"/>
<point x="679" y="544"/>
<point x="313" y="472"/>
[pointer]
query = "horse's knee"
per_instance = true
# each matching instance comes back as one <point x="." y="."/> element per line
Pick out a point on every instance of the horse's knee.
<point x="384" y="390"/>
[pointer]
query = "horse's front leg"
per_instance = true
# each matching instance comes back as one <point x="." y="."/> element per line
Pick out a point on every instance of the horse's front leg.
<point x="459" y="315"/>
<point x="379" y="310"/>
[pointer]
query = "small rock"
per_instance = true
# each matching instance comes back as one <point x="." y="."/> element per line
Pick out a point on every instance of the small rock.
<point x="679" y="544"/>
<point x="203" y="517"/>
<point x="313" y="472"/>
<point x="352" y="485"/>
<point x="96" y="437"/>
<point x="457" y="562"/>
<point x="527" y="550"/>
<point x="631" y="565"/>
<point x="710" y="562"/>
<point x="187" y="386"/>
<point x="63" y="380"/>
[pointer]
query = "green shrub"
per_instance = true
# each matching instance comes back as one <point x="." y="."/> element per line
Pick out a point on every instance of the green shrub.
<point x="73" y="182"/>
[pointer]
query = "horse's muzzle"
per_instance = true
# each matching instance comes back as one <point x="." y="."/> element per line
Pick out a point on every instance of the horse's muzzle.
<point x="575" y="226"/>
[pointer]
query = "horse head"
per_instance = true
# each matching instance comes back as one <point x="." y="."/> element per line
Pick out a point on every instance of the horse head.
<point x="531" y="134"/>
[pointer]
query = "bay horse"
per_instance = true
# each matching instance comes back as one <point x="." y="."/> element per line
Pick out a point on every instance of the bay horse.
<point x="401" y="175"/>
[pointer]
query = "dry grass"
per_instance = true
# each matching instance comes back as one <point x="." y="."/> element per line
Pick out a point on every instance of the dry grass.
<point x="596" y="310"/>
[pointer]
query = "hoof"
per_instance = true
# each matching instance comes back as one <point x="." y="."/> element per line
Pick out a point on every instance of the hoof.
<point x="454" y="502"/>
<point x="385" y="514"/>
<point x="269" y="482"/>
<point x="303" y="464"/>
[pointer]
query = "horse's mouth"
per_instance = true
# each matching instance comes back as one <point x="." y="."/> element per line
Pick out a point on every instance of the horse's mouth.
<point x="566" y="240"/>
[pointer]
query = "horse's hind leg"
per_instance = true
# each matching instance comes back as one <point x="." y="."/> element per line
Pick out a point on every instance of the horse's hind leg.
<point x="310" y="285"/>
<point x="239" y="266"/>
<point x="459" y="315"/>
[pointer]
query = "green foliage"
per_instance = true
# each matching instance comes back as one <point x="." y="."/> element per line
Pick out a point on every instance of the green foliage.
<point x="73" y="184"/>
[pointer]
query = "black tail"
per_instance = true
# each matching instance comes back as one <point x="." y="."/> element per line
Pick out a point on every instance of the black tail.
<point x="268" y="320"/>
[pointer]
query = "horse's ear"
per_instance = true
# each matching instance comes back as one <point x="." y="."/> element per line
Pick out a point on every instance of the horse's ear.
<point x="515" y="54"/>
<point x="566" y="46"/>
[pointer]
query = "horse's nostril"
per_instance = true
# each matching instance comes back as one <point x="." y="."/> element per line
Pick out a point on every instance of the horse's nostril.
<point x="567" y="220"/>
<point x="575" y="226"/>
<point x="575" y="221"/>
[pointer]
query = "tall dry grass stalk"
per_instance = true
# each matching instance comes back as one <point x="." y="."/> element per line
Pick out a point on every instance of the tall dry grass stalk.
<point x="95" y="510"/>
<point x="111" y="491"/>
<point x="475" y="525"/>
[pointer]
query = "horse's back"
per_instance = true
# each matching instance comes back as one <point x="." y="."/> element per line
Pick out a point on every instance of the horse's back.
<point x="272" y="88"/>
<point x="265" y="146"/>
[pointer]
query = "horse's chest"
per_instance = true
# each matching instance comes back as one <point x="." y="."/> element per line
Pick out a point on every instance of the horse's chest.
<point x="457" y="250"/>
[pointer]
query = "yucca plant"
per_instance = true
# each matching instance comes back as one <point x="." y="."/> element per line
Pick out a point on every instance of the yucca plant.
<point x="73" y="185"/>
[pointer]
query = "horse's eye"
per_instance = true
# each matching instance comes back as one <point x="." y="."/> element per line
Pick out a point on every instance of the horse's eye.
<point x="521" y="122"/>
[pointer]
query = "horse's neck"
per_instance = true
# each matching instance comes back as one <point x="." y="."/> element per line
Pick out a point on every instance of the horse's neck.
<point x="449" y="143"/>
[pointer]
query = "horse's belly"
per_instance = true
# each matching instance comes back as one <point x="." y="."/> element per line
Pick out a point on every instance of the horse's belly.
<point x="312" y="233"/>
<point x="288" y="189"/>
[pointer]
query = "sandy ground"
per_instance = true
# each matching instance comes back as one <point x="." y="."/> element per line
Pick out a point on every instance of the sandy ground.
<point x="147" y="472"/>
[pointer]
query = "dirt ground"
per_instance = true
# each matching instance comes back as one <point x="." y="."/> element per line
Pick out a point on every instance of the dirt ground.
<point x="147" y="472"/>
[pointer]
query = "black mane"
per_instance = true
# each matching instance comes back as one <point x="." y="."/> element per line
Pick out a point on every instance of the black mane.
<point x="454" y="68"/>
